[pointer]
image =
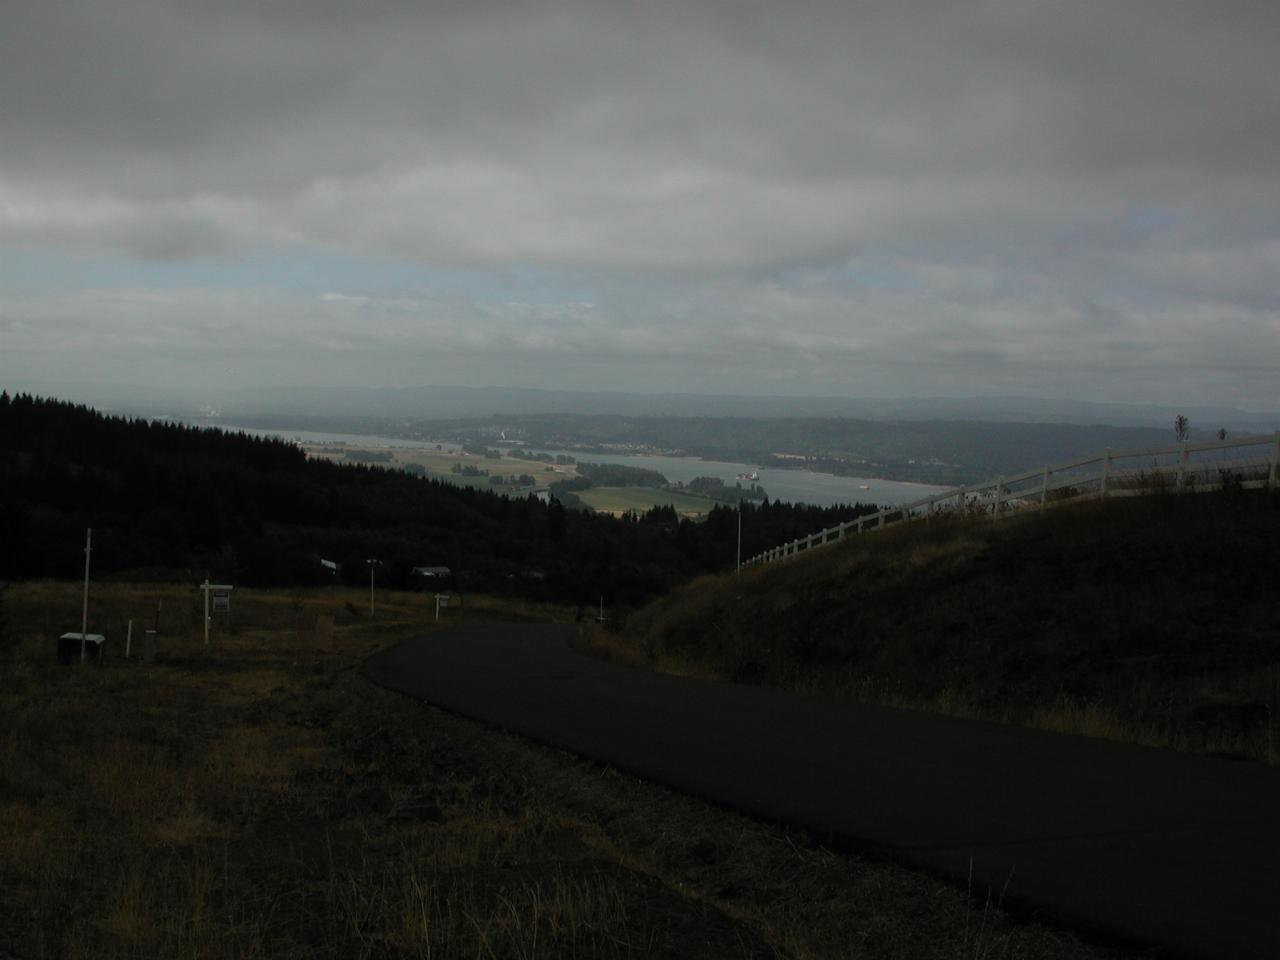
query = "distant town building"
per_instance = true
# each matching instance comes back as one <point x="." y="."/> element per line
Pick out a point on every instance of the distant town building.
<point x="436" y="572"/>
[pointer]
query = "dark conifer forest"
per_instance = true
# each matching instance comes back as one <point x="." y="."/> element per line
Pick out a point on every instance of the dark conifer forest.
<point x="168" y="501"/>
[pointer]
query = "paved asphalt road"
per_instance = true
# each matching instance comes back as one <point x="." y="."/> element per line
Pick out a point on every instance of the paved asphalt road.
<point x="1144" y="845"/>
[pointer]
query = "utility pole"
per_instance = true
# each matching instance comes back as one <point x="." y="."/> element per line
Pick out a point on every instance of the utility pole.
<point x="84" y="612"/>
<point x="739" y="569"/>
<point x="372" y="563"/>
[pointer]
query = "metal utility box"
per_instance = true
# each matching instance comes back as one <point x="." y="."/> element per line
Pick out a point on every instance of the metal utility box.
<point x="69" y="647"/>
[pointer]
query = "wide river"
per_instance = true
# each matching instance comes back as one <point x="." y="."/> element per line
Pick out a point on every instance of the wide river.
<point x="795" y="486"/>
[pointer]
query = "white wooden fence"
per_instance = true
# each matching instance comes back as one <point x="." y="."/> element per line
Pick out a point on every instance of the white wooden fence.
<point x="1254" y="462"/>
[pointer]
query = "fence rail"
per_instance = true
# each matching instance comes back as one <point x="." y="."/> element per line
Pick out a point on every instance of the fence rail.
<point x="1183" y="467"/>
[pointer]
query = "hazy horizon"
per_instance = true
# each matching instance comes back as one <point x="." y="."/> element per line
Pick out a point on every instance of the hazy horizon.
<point x="294" y="406"/>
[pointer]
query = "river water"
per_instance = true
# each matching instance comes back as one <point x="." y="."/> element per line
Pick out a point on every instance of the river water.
<point x="795" y="486"/>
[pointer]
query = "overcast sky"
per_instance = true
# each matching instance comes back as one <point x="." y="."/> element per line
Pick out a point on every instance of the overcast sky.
<point x="946" y="199"/>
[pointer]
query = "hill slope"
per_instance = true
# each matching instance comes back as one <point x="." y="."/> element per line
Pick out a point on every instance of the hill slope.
<point x="1150" y="619"/>
<point x="169" y="501"/>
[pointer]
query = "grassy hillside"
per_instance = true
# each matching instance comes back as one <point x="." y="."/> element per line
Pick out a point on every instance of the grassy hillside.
<point x="1151" y="619"/>
<point x="258" y="797"/>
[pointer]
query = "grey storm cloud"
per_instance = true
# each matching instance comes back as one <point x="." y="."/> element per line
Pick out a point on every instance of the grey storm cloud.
<point x="716" y="134"/>
<point x="983" y="191"/>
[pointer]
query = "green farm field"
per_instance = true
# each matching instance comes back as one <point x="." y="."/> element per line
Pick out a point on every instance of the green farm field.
<point x="619" y="500"/>
<point x="439" y="464"/>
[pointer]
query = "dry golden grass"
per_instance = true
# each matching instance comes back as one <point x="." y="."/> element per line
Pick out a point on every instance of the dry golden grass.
<point x="258" y="798"/>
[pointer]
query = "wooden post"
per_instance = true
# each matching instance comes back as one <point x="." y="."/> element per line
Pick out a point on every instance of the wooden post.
<point x="128" y="640"/>
<point x="1044" y="488"/>
<point x="1106" y="473"/>
<point x="1275" y="463"/>
<point x="84" y="613"/>
<point x="1182" y="467"/>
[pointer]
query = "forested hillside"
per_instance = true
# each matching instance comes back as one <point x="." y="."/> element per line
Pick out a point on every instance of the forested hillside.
<point x="170" y="501"/>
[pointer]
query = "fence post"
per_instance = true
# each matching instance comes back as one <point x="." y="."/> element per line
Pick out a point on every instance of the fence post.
<point x="1044" y="488"/>
<point x="1182" y="467"/>
<point x="1275" y="463"/>
<point x="1106" y="472"/>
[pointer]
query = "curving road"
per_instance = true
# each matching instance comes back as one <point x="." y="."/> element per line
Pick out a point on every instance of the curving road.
<point x="1147" y="846"/>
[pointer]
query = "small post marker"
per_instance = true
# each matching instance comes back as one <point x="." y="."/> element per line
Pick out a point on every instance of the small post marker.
<point x="128" y="640"/>
<point x="221" y="602"/>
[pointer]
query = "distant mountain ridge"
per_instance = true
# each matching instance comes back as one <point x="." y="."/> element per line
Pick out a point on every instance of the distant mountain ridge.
<point x="444" y="402"/>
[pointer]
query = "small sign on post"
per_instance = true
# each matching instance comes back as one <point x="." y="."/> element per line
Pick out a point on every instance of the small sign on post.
<point x="442" y="600"/>
<point x="221" y="602"/>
